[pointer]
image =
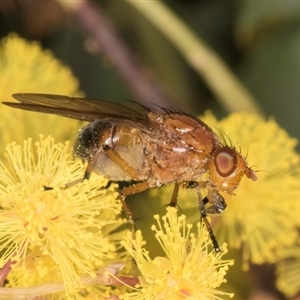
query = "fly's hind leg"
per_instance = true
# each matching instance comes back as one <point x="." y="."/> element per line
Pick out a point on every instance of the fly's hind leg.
<point x="115" y="157"/>
<point x="129" y="190"/>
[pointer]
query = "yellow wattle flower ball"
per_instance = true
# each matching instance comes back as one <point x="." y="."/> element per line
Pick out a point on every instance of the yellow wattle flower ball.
<point x="64" y="230"/>
<point x="26" y="67"/>
<point x="261" y="218"/>
<point x="189" y="270"/>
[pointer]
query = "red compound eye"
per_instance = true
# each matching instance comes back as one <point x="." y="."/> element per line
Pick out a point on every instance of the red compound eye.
<point x="225" y="161"/>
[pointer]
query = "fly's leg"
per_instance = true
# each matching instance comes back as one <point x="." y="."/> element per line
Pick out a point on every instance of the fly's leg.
<point x="182" y="184"/>
<point x="130" y="190"/>
<point x="205" y="200"/>
<point x="216" y="207"/>
<point x="217" y="203"/>
<point x="203" y="213"/>
<point x="119" y="161"/>
<point x="173" y="202"/>
<point x="115" y="157"/>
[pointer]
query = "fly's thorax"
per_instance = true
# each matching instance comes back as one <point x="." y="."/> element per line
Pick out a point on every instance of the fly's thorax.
<point x="90" y="138"/>
<point x="180" y="150"/>
<point x="227" y="167"/>
<point x="190" y="132"/>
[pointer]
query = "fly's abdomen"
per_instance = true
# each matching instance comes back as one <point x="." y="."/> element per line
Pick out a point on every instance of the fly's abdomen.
<point x="124" y="141"/>
<point x="88" y="142"/>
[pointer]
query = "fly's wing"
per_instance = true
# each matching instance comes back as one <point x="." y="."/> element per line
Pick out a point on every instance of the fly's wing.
<point x="80" y="108"/>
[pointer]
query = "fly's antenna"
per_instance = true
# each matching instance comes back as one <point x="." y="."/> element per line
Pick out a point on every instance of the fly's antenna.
<point x="246" y="153"/>
<point x="265" y="171"/>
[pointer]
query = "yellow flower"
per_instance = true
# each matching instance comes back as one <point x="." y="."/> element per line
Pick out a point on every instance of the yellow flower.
<point x="262" y="216"/>
<point x="52" y="232"/>
<point x="288" y="271"/>
<point x="188" y="271"/>
<point x="25" y="68"/>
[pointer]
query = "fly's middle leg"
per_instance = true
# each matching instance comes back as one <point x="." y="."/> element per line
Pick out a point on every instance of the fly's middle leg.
<point x="130" y="190"/>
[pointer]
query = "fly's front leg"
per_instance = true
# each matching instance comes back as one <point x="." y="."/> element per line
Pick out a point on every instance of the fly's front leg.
<point x="203" y="213"/>
<point x="217" y="203"/>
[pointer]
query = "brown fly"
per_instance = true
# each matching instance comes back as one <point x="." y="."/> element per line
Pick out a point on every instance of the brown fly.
<point x="148" y="148"/>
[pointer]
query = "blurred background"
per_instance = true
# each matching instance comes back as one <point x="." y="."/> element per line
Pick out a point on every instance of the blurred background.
<point x="259" y="41"/>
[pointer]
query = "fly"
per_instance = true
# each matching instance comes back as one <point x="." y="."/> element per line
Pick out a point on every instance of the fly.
<point x="150" y="147"/>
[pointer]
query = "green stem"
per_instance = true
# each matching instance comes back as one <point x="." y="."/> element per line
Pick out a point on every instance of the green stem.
<point x="223" y="83"/>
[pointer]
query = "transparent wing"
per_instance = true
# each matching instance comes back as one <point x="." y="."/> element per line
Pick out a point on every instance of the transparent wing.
<point x="80" y="108"/>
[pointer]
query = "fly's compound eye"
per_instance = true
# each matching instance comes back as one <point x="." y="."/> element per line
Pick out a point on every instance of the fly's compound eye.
<point x="225" y="161"/>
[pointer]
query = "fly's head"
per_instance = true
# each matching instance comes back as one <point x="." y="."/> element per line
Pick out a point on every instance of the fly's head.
<point x="227" y="167"/>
